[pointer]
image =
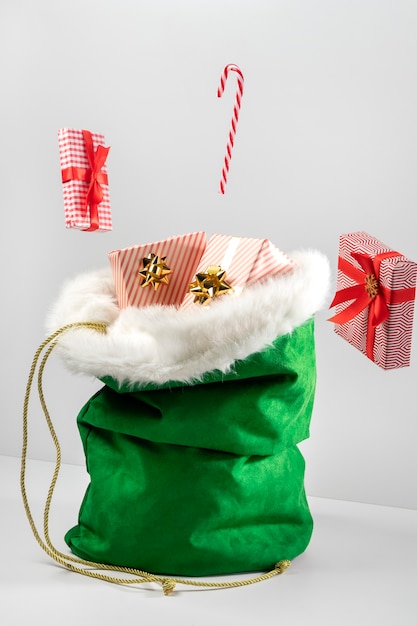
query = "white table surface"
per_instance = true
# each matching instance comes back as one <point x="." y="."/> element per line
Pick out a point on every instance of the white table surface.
<point x="360" y="568"/>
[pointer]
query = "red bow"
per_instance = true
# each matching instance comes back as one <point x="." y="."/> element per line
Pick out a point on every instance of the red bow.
<point x="368" y="292"/>
<point x="92" y="175"/>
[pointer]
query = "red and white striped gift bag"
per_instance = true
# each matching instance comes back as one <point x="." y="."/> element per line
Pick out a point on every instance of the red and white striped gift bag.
<point x="244" y="259"/>
<point x="182" y="255"/>
<point x="390" y="344"/>
<point x="76" y="180"/>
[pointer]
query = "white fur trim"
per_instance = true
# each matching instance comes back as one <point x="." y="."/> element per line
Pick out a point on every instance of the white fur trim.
<point x="161" y="343"/>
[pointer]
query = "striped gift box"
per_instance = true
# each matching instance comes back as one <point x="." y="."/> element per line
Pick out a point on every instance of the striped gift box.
<point x="182" y="255"/>
<point x="77" y="181"/>
<point x="367" y="264"/>
<point x="244" y="259"/>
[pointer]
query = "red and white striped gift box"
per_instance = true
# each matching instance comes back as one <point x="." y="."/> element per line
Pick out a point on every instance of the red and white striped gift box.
<point x="182" y="254"/>
<point x="244" y="259"/>
<point x="81" y="153"/>
<point x="374" y="299"/>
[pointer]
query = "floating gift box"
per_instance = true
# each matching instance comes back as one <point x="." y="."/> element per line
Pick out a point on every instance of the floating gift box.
<point x="230" y="263"/>
<point x="374" y="299"/>
<point x="84" y="179"/>
<point x="158" y="272"/>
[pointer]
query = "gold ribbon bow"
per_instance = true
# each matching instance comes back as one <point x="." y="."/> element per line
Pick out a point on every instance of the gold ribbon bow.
<point x="155" y="271"/>
<point x="209" y="284"/>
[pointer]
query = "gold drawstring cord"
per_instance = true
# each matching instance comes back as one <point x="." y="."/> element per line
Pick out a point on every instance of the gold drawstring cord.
<point x="75" y="564"/>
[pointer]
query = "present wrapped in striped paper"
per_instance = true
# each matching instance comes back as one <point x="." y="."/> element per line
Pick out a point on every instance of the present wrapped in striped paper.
<point x="374" y="299"/>
<point x="230" y="263"/>
<point x="84" y="179"/>
<point x="158" y="272"/>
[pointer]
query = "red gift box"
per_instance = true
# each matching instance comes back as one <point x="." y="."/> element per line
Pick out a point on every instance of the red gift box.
<point x="84" y="179"/>
<point x="241" y="261"/>
<point x="158" y="272"/>
<point x="374" y="299"/>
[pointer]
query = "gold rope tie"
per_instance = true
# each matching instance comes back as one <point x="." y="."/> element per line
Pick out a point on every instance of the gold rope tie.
<point x="130" y="576"/>
<point x="371" y="285"/>
<point x="279" y="568"/>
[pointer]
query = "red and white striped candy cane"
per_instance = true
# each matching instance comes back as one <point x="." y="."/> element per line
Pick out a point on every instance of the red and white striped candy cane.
<point x="231" y="67"/>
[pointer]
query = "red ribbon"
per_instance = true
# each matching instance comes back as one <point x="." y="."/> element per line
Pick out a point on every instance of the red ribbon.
<point x="368" y="292"/>
<point x="92" y="175"/>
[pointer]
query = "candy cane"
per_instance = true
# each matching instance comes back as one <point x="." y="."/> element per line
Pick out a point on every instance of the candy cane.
<point x="232" y="132"/>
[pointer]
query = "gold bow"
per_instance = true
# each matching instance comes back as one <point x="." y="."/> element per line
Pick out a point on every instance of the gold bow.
<point x="210" y="284"/>
<point x="155" y="271"/>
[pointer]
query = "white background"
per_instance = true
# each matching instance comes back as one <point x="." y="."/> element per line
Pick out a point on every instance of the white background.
<point x="326" y="144"/>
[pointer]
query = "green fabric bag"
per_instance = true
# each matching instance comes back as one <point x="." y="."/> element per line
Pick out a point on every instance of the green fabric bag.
<point x="191" y="444"/>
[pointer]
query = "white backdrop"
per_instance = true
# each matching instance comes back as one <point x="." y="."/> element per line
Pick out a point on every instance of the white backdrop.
<point x="326" y="144"/>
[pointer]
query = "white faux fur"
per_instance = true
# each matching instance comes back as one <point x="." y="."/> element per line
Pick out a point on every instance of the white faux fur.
<point x="158" y="343"/>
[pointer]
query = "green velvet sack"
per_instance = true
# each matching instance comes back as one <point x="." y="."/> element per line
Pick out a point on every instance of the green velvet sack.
<point x="191" y="444"/>
<point x="201" y="479"/>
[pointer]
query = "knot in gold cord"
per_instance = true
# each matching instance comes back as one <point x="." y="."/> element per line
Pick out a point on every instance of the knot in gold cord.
<point x="281" y="566"/>
<point x="168" y="586"/>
